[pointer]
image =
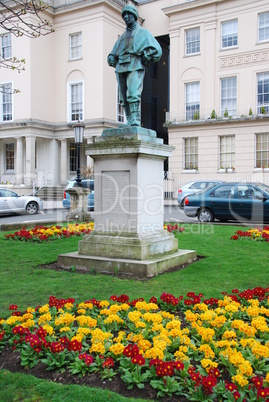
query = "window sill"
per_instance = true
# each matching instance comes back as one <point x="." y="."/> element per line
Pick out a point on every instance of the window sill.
<point x="265" y="170"/>
<point x="189" y="171"/>
<point x="226" y="170"/>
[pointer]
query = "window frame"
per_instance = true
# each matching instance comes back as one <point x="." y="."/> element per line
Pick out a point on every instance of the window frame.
<point x="9" y="157"/>
<point x="230" y="36"/>
<point x="80" y="111"/>
<point x="227" y="156"/>
<point x="224" y="101"/>
<point x="6" y="105"/>
<point x="75" y="48"/>
<point x="263" y="95"/>
<point x="265" y="29"/>
<point x="192" y="106"/>
<point x="263" y="161"/>
<point x="193" y="45"/>
<point x="73" y="156"/>
<point x="6" y="47"/>
<point x="190" y="160"/>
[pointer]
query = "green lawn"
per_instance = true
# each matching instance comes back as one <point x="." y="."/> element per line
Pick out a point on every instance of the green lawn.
<point x="227" y="265"/>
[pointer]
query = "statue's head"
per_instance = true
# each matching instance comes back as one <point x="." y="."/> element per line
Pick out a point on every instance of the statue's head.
<point x="130" y="9"/>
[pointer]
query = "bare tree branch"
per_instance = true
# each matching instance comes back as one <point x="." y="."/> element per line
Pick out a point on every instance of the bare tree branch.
<point x="14" y="18"/>
<point x="22" y="18"/>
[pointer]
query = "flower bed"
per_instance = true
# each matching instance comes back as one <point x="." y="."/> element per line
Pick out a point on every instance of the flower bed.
<point x="204" y="349"/>
<point x="254" y="234"/>
<point x="44" y="233"/>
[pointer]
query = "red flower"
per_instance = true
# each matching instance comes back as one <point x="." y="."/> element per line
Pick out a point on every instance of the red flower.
<point x="13" y="307"/>
<point x="257" y="381"/>
<point x="109" y="362"/>
<point x="231" y="387"/>
<point x="74" y="346"/>
<point x="131" y="350"/>
<point x="139" y="360"/>
<point x="236" y="395"/>
<point x="2" y="333"/>
<point x="262" y="392"/>
<point x="56" y="347"/>
<point x="153" y="300"/>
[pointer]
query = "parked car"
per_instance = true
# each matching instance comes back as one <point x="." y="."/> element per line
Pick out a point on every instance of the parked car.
<point x="11" y="202"/>
<point x="230" y="201"/>
<point x="193" y="187"/>
<point x="86" y="183"/>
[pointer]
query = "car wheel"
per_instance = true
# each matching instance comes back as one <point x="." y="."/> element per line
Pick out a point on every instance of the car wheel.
<point x="182" y="203"/>
<point x="205" y="215"/>
<point x="32" y="208"/>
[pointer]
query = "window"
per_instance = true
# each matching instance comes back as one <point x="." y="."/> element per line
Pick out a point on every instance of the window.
<point x="9" y="156"/>
<point x="228" y="96"/>
<point x="262" y="150"/>
<point x="192" y="101"/>
<point x="263" y="93"/>
<point x="191" y="153"/>
<point x="6" y="102"/>
<point x="120" y="108"/>
<point x="192" y="38"/>
<point x="229" y="33"/>
<point x="225" y="191"/>
<point x="76" y="46"/>
<point x="5" y="46"/>
<point x="227" y="151"/>
<point x="76" y="101"/>
<point x="72" y="157"/>
<point x="263" y="30"/>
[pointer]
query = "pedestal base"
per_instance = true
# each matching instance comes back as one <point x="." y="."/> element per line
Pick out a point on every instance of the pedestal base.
<point x="127" y="267"/>
<point x="134" y="246"/>
<point x="78" y="204"/>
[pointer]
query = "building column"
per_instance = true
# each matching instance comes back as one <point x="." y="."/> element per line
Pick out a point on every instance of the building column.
<point x="19" y="162"/>
<point x="211" y="76"/>
<point x="30" y="161"/>
<point x="176" y="107"/>
<point x="89" y="160"/>
<point x="64" y="162"/>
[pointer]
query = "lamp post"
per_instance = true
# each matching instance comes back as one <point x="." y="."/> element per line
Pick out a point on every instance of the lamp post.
<point x="79" y="132"/>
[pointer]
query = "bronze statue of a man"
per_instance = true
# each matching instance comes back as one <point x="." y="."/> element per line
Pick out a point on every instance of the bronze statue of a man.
<point x="134" y="49"/>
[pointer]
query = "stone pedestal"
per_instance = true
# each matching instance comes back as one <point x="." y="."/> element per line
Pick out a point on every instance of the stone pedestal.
<point x="128" y="231"/>
<point x="78" y="204"/>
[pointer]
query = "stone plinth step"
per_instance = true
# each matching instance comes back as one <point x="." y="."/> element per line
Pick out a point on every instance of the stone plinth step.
<point x="128" y="267"/>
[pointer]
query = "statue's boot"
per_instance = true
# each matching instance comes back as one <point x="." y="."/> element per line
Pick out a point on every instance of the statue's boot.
<point x="135" y="114"/>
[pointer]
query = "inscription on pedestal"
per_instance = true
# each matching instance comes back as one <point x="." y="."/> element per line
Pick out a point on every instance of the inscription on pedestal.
<point x="116" y="191"/>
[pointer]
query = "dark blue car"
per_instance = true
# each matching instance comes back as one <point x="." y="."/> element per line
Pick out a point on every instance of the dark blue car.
<point x="230" y="201"/>
<point x="86" y="183"/>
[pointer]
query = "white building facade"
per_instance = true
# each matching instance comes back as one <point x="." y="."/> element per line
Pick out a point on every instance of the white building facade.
<point x="218" y="113"/>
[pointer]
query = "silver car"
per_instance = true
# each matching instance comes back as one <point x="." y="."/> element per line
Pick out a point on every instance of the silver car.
<point x="194" y="187"/>
<point x="11" y="202"/>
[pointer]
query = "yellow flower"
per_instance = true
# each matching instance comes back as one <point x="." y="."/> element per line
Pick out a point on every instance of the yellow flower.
<point x="117" y="349"/>
<point x="86" y="321"/>
<point x="240" y="380"/>
<point x="113" y="318"/>
<point x="208" y="352"/>
<point x="154" y="353"/>
<point x="65" y="329"/>
<point x="44" y="309"/>
<point x="97" y="348"/>
<point x="208" y="364"/>
<point x="44" y="318"/>
<point x="49" y="329"/>
<point x="104" y="303"/>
